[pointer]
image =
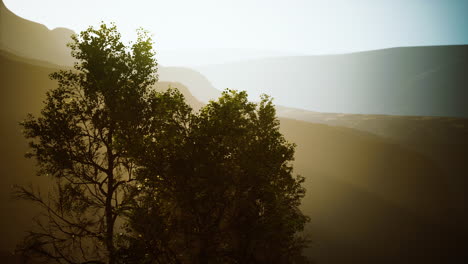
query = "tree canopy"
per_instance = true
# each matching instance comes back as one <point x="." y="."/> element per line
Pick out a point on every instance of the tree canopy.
<point x="140" y="178"/>
<point x="76" y="141"/>
<point x="226" y="195"/>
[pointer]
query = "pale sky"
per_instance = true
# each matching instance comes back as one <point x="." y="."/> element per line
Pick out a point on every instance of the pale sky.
<point x="258" y="28"/>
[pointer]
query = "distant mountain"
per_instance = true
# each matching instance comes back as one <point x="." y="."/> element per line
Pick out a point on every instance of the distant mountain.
<point x="189" y="98"/>
<point x="33" y="40"/>
<point x="36" y="43"/>
<point x="424" y="81"/>
<point x="199" y="86"/>
<point x="194" y="57"/>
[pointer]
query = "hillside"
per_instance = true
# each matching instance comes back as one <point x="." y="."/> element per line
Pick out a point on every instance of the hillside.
<point x="199" y="86"/>
<point x="444" y="140"/>
<point x="374" y="201"/>
<point x="366" y="195"/>
<point x="35" y="43"/>
<point x="423" y="81"/>
<point x="33" y="40"/>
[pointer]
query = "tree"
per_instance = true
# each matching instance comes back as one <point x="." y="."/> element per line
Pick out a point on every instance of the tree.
<point x="140" y="178"/>
<point x="79" y="140"/>
<point x="225" y="192"/>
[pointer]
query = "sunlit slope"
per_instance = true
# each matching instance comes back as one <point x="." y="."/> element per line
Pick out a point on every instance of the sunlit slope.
<point x="32" y="39"/>
<point x="199" y="86"/>
<point x="425" y="81"/>
<point x="441" y="139"/>
<point x="189" y="98"/>
<point x="402" y="128"/>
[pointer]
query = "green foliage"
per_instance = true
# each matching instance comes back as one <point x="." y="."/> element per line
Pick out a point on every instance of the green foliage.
<point x="225" y="195"/>
<point x="77" y="141"/>
<point x="140" y="178"/>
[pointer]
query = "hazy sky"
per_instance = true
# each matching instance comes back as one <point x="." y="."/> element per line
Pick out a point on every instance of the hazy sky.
<point x="270" y="26"/>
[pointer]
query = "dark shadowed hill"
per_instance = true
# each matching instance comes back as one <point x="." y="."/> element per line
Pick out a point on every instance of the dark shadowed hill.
<point x="22" y="90"/>
<point x="9" y="257"/>
<point x="375" y="201"/>
<point x="425" y="81"/>
<point x="33" y="40"/>
<point x="370" y="199"/>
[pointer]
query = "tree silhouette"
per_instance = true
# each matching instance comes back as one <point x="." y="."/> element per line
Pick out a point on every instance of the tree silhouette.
<point x="77" y="140"/>
<point x="225" y="194"/>
<point x="139" y="178"/>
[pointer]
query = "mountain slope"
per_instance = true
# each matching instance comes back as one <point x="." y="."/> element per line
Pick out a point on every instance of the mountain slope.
<point x="374" y="201"/>
<point x="444" y="140"/>
<point x="199" y="86"/>
<point x="427" y="81"/>
<point x="33" y="40"/>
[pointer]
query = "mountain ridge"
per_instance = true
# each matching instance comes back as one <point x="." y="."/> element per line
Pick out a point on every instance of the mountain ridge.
<point x="394" y="81"/>
<point x="34" y="40"/>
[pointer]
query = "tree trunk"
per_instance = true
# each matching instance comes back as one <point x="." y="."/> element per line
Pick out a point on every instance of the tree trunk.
<point x="110" y="193"/>
<point x="110" y="225"/>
